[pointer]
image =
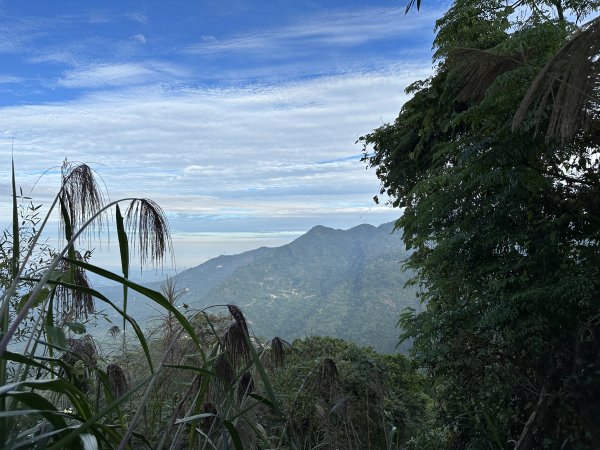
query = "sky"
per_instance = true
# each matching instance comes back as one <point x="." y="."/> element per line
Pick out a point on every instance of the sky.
<point x="239" y="117"/>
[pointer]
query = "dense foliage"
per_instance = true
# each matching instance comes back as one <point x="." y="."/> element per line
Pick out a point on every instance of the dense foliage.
<point x="339" y="395"/>
<point x="501" y="198"/>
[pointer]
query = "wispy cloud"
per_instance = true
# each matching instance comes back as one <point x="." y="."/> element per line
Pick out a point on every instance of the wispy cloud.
<point x="98" y="76"/>
<point x="330" y="29"/>
<point x="10" y="79"/>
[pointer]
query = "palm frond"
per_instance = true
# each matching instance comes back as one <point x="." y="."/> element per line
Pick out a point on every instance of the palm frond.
<point x="567" y="85"/>
<point x="480" y="68"/>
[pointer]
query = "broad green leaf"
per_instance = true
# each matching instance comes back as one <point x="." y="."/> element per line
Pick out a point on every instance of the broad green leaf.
<point x="56" y="336"/>
<point x="43" y="405"/>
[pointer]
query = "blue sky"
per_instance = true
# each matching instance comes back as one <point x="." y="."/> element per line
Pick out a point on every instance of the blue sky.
<point x="239" y="117"/>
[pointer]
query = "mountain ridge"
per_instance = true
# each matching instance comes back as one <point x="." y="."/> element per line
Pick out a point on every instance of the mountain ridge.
<point x="342" y="283"/>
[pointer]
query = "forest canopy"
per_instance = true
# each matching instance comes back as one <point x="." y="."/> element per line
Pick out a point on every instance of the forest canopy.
<point x="495" y="161"/>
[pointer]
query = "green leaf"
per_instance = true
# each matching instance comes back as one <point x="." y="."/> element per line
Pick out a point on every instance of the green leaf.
<point x="40" y="298"/>
<point x="28" y="361"/>
<point x="77" y="328"/>
<point x="155" y="296"/>
<point x="15" y="225"/>
<point x="56" y="336"/>
<point x="235" y="436"/>
<point x="42" y="406"/>
<point x="124" y="251"/>
<point x="98" y="295"/>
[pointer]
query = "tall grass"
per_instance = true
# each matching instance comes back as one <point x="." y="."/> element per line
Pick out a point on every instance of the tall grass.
<point x="61" y="393"/>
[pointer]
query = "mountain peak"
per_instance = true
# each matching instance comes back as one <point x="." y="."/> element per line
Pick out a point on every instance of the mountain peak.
<point x="320" y="229"/>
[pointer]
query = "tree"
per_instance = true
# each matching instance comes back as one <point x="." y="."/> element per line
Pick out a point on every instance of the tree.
<point x="503" y="212"/>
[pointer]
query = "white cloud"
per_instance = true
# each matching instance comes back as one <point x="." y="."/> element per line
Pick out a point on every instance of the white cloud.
<point x="238" y="157"/>
<point x="139" y="38"/>
<point x="10" y="79"/>
<point x="127" y="74"/>
<point x="330" y="29"/>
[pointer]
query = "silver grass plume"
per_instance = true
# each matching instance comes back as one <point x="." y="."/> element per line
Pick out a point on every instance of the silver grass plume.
<point x="236" y="338"/>
<point x="114" y="331"/>
<point x="80" y="197"/>
<point x="238" y="316"/>
<point x="83" y="349"/>
<point x="327" y="373"/>
<point x="149" y="231"/>
<point x="223" y="369"/>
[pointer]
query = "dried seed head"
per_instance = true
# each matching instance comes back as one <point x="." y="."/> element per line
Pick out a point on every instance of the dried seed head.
<point x="480" y="68"/>
<point x="116" y="377"/>
<point x="235" y="342"/>
<point x="84" y="349"/>
<point x="238" y="316"/>
<point x="74" y="304"/>
<point x="278" y="347"/>
<point x="114" y="331"/>
<point x="568" y="84"/>
<point x="328" y="373"/>
<point x="170" y="291"/>
<point x="245" y="386"/>
<point x="80" y="196"/>
<point x="149" y="231"/>
<point x="224" y="370"/>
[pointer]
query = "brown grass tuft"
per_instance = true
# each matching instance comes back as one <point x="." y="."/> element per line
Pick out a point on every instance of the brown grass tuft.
<point x="224" y="370"/>
<point x="235" y="342"/>
<point x="116" y="377"/>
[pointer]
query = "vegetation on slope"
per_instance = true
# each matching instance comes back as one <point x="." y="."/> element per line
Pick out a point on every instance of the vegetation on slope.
<point x="495" y="161"/>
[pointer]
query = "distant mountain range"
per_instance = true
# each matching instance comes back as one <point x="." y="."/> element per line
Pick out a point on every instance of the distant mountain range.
<point x="344" y="283"/>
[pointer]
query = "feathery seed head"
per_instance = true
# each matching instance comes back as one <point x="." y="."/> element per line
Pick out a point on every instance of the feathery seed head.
<point x="149" y="230"/>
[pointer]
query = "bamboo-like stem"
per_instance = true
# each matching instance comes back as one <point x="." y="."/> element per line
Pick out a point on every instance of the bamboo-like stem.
<point x="144" y="399"/>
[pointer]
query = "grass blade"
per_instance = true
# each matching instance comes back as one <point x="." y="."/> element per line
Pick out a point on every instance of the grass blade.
<point x="124" y="251"/>
<point x="155" y="296"/>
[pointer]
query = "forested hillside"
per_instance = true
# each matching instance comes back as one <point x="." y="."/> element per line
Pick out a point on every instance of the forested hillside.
<point x="348" y="284"/>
